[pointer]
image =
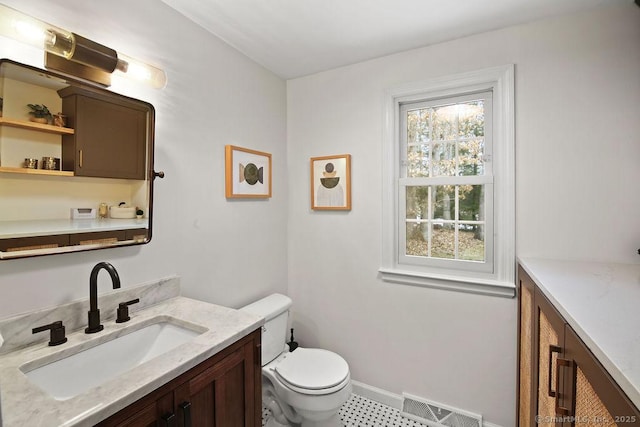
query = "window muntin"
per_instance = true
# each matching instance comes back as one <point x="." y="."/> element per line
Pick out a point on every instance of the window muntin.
<point x="445" y="186"/>
<point x="448" y="230"/>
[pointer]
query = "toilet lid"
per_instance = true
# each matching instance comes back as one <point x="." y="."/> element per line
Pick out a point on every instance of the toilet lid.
<point x="312" y="369"/>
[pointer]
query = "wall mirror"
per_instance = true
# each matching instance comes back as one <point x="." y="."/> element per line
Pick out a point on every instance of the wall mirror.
<point x="79" y="178"/>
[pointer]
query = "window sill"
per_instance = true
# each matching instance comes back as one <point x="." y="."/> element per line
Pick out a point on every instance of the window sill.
<point x="452" y="283"/>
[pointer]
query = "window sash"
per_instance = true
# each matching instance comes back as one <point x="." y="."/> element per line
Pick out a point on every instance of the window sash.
<point x="486" y="96"/>
<point x="486" y="266"/>
<point x="486" y="179"/>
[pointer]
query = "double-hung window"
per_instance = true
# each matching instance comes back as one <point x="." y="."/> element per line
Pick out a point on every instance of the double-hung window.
<point x="449" y="205"/>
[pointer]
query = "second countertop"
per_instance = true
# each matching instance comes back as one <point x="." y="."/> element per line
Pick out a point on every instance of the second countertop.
<point x="600" y="301"/>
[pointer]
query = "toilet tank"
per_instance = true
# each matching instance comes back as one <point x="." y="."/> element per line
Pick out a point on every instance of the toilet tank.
<point x="275" y="310"/>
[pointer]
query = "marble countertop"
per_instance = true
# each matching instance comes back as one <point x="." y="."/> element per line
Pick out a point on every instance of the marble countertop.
<point x="601" y="303"/>
<point x="25" y="404"/>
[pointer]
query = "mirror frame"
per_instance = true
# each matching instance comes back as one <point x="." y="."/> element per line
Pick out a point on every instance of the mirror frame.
<point x="149" y="167"/>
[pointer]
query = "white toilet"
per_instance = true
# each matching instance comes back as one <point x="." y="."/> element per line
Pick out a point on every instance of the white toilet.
<point x="305" y="387"/>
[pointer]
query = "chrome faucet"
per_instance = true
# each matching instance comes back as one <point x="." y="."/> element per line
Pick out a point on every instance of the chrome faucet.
<point x="94" y="313"/>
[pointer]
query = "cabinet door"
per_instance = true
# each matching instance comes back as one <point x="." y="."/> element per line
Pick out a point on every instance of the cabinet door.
<point x="549" y="341"/>
<point x="110" y="136"/>
<point x="224" y="390"/>
<point x="110" y="139"/>
<point x="150" y="411"/>
<point x="594" y="397"/>
<point x="222" y="395"/>
<point x="526" y="395"/>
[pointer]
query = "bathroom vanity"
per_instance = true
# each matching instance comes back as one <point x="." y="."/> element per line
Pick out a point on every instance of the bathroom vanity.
<point x="579" y="343"/>
<point x="224" y="390"/>
<point x="210" y="376"/>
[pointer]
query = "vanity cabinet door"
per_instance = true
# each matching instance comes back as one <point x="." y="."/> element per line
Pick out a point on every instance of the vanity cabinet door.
<point x="154" y="410"/>
<point x="97" y="237"/>
<point x="39" y="242"/>
<point x="223" y="391"/>
<point x="526" y="372"/>
<point x="594" y="397"/>
<point x="223" y="395"/>
<point x="549" y="346"/>
<point x="137" y="234"/>
<point x="110" y="136"/>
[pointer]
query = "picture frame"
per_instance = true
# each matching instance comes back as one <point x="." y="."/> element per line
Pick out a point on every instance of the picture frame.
<point x="247" y="173"/>
<point x="331" y="183"/>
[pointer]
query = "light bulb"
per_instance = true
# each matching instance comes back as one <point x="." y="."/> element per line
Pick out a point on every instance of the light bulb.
<point x="32" y="31"/>
<point x="73" y="47"/>
<point x="140" y="71"/>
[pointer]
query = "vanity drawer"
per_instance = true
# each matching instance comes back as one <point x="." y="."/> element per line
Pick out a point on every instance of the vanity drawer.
<point x="38" y="242"/>
<point x="98" y="237"/>
<point x="137" y="234"/>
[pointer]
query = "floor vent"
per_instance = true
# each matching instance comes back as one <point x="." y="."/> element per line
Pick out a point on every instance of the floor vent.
<point x="436" y="414"/>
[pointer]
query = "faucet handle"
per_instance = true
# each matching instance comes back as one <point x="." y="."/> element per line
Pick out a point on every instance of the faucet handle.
<point x="123" y="310"/>
<point x="57" y="332"/>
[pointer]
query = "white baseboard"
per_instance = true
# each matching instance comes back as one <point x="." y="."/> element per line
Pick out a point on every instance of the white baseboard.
<point x="387" y="398"/>
<point x="377" y="394"/>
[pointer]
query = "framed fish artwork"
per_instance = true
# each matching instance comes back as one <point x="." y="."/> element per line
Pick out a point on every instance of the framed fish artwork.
<point x="247" y="173"/>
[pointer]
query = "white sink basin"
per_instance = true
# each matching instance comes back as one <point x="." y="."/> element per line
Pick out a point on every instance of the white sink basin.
<point x="75" y="374"/>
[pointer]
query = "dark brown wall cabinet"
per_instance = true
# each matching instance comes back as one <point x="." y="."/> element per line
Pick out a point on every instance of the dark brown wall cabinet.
<point x="110" y="135"/>
<point x="561" y="383"/>
<point x="223" y="391"/>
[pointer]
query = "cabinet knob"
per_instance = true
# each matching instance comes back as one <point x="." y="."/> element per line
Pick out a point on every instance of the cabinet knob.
<point x="158" y="174"/>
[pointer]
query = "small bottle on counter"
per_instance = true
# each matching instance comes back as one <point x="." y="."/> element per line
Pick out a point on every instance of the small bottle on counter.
<point x="103" y="210"/>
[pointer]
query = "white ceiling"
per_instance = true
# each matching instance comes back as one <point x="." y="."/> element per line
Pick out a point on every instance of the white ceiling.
<point x="294" y="38"/>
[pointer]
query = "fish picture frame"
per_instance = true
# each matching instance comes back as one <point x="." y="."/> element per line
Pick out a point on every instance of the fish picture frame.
<point x="331" y="183"/>
<point x="247" y="173"/>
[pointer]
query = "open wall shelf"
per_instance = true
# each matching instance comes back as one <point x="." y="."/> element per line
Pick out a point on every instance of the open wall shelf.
<point x="35" y="126"/>
<point x="35" y="171"/>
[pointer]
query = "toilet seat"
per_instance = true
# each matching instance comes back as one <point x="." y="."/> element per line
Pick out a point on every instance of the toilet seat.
<point x="313" y="371"/>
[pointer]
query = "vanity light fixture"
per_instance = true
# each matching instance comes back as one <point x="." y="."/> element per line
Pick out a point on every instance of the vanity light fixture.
<point x="73" y="54"/>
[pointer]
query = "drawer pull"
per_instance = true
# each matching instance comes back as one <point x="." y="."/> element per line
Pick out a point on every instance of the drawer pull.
<point x="186" y="413"/>
<point x="561" y="410"/>
<point x="169" y="420"/>
<point x="553" y="349"/>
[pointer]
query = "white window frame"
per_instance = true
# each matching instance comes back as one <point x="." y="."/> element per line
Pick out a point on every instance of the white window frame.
<point x="498" y="277"/>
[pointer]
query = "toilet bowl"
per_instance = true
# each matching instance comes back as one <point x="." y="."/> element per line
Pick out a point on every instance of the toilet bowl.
<point x="305" y="387"/>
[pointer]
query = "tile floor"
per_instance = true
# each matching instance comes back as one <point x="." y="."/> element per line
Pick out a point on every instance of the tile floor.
<point x="362" y="412"/>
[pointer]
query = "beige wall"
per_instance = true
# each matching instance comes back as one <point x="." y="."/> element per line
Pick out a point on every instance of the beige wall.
<point x="226" y="252"/>
<point x="577" y="107"/>
<point x="577" y="94"/>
